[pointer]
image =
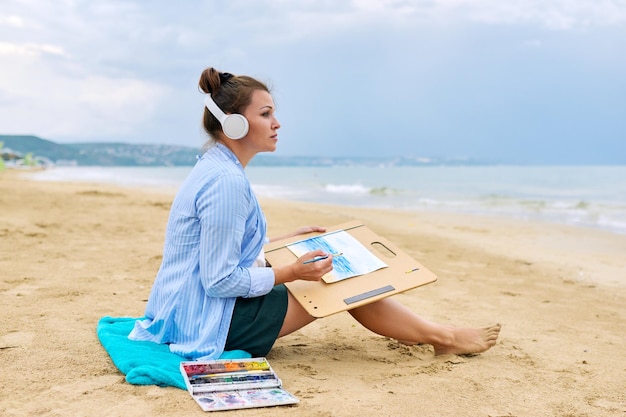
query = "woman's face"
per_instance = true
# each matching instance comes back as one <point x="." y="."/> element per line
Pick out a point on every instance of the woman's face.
<point x="262" y="135"/>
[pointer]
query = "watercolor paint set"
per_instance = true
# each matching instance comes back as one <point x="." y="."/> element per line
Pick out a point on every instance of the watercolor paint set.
<point x="229" y="384"/>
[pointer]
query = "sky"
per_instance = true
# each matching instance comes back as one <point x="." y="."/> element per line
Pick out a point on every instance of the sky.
<point x="529" y="82"/>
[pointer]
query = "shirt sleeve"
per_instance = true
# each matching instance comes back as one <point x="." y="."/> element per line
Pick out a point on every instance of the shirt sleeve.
<point x="223" y="208"/>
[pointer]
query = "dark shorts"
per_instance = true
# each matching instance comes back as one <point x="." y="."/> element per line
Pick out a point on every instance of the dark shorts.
<point x="257" y="321"/>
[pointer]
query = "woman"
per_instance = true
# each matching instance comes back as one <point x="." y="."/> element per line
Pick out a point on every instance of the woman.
<point x="213" y="291"/>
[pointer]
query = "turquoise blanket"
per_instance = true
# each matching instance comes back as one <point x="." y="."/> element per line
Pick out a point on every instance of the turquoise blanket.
<point x="144" y="363"/>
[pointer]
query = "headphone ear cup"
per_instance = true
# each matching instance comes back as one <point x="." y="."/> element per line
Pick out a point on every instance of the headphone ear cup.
<point x="235" y="126"/>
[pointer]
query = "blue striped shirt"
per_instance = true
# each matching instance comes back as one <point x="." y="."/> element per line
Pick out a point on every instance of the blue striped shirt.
<point x="215" y="232"/>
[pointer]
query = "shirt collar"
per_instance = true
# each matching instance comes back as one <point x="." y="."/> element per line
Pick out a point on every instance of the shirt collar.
<point x="228" y="153"/>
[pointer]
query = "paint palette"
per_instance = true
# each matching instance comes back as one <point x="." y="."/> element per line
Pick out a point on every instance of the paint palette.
<point x="234" y="383"/>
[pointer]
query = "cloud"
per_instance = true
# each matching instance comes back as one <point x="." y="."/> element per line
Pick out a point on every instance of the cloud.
<point x="32" y="49"/>
<point x="11" y="21"/>
<point x="55" y="100"/>
<point x="305" y="17"/>
<point x="554" y="14"/>
<point x="127" y="70"/>
<point x="80" y="82"/>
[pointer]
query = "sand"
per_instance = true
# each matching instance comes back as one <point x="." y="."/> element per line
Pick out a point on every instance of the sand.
<point x="72" y="253"/>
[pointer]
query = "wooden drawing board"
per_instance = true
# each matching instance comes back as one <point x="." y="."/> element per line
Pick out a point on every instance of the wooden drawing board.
<point x="321" y="299"/>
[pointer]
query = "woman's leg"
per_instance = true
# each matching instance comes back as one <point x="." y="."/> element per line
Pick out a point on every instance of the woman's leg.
<point x="389" y="318"/>
<point x="296" y="317"/>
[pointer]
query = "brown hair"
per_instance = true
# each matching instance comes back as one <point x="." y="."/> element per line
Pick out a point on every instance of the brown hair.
<point x="231" y="93"/>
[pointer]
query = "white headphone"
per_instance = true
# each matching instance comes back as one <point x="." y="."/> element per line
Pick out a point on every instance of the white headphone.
<point x="235" y="126"/>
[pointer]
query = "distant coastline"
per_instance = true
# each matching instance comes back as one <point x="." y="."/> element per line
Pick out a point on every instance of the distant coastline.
<point x="35" y="151"/>
<point x="45" y="152"/>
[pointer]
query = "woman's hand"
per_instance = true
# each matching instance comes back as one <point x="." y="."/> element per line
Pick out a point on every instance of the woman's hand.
<point x="305" y="268"/>
<point x="301" y="231"/>
<point x="308" y="229"/>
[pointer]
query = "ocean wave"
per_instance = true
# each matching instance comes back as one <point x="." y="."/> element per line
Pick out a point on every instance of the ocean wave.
<point x="463" y="190"/>
<point x="357" y="189"/>
<point x="616" y="225"/>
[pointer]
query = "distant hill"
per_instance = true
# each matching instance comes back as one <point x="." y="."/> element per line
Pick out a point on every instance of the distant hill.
<point x="101" y="154"/>
<point x="124" y="154"/>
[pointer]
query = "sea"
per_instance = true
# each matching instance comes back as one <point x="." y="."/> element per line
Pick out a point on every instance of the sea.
<point x="585" y="196"/>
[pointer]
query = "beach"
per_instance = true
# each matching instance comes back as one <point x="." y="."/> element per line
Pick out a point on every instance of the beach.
<point x="71" y="253"/>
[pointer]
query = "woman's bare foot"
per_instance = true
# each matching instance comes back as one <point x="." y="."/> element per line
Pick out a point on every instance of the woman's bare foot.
<point x="466" y="341"/>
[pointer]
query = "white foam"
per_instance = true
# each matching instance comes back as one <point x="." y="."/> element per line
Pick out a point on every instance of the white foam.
<point x="347" y="189"/>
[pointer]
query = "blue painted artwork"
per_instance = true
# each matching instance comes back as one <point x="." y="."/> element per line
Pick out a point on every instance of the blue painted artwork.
<point x="352" y="257"/>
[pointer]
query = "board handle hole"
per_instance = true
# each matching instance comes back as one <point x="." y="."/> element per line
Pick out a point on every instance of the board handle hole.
<point x="383" y="250"/>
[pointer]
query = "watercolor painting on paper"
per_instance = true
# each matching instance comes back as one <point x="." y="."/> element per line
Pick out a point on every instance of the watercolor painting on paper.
<point x="354" y="260"/>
